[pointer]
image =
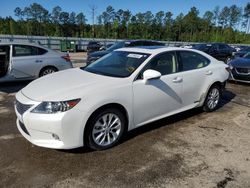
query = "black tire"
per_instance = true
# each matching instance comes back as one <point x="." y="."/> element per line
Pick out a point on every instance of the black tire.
<point x="89" y="135"/>
<point x="47" y="70"/>
<point x="207" y="107"/>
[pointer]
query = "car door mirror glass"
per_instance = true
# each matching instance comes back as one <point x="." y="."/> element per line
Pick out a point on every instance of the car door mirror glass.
<point x="151" y="74"/>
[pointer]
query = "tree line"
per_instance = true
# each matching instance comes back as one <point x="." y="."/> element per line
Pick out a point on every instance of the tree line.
<point x="227" y="24"/>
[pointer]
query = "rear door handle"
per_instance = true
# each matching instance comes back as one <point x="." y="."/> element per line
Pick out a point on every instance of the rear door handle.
<point x="177" y="80"/>
<point x="39" y="61"/>
<point x="209" y="72"/>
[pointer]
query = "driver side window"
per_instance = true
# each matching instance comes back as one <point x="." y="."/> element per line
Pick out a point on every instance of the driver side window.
<point x="163" y="63"/>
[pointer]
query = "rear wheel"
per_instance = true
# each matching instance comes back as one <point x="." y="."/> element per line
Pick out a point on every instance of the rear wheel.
<point x="105" y="129"/>
<point x="47" y="70"/>
<point x="213" y="99"/>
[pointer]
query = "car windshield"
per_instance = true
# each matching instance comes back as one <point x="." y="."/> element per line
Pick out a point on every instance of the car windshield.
<point x="116" y="46"/>
<point x="117" y="64"/>
<point x="247" y="55"/>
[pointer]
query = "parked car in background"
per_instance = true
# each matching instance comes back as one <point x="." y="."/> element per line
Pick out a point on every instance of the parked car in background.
<point x="188" y="46"/>
<point x="128" y="88"/>
<point x="106" y="46"/>
<point x="240" y="68"/>
<point x="220" y="51"/>
<point x="93" y="46"/>
<point x="241" y="52"/>
<point x="131" y="43"/>
<point x="29" y="61"/>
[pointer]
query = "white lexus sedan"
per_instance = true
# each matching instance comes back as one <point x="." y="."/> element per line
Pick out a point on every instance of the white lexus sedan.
<point x="123" y="90"/>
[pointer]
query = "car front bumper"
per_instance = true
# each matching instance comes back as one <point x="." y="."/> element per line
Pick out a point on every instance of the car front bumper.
<point x="240" y="77"/>
<point x="58" y="131"/>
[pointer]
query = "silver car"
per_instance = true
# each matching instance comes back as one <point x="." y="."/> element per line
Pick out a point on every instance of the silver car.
<point x="29" y="61"/>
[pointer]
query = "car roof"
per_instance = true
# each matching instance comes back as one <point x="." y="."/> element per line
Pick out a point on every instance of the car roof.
<point x="150" y="49"/>
<point x="23" y="43"/>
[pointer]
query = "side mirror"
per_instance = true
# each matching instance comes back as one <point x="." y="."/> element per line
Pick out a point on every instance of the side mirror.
<point x="151" y="74"/>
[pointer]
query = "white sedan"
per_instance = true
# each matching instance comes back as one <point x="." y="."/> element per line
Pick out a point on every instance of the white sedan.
<point x="123" y="90"/>
<point x="20" y="61"/>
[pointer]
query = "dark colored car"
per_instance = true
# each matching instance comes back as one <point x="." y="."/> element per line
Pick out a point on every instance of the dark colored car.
<point x="96" y="55"/>
<point x="220" y="51"/>
<point x="242" y="52"/>
<point x="106" y="46"/>
<point x="240" y="68"/>
<point x="93" y="46"/>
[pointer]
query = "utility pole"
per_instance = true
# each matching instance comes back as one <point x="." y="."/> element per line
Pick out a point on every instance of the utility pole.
<point x="248" y="26"/>
<point x="93" y="14"/>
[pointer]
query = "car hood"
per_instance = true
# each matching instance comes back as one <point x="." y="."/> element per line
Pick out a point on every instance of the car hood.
<point x="67" y="85"/>
<point x="99" y="53"/>
<point x="241" y="62"/>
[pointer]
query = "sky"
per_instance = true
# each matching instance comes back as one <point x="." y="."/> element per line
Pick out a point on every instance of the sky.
<point x="175" y="6"/>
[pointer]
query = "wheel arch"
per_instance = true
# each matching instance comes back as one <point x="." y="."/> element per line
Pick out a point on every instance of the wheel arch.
<point x="106" y="106"/>
<point x="204" y="95"/>
<point x="45" y="67"/>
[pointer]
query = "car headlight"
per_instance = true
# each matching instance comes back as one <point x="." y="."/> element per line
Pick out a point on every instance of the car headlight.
<point x="55" y="107"/>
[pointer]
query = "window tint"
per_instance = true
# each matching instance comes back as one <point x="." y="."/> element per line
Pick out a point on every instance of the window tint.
<point x="40" y="51"/>
<point x="24" y="50"/>
<point x="192" y="60"/>
<point x="164" y="63"/>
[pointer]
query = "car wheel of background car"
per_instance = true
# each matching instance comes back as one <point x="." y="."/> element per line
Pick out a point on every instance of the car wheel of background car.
<point x="213" y="99"/>
<point x="105" y="129"/>
<point x="47" y="70"/>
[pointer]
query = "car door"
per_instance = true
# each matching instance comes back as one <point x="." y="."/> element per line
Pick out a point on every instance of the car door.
<point x="4" y="59"/>
<point x="157" y="97"/>
<point x="195" y="74"/>
<point x="26" y="60"/>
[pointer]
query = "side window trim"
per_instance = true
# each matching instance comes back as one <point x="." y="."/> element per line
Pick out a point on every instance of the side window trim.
<point x="137" y="77"/>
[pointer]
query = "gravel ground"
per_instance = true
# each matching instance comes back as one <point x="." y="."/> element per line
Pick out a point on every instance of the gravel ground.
<point x="191" y="149"/>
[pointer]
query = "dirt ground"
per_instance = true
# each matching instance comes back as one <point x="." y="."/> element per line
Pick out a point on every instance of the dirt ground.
<point x="191" y="149"/>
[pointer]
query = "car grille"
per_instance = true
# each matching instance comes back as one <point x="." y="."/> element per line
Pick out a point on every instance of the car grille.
<point x="21" y="108"/>
<point x="243" y="70"/>
<point x="23" y="128"/>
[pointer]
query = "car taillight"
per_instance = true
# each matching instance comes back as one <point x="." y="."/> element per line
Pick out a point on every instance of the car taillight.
<point x="66" y="57"/>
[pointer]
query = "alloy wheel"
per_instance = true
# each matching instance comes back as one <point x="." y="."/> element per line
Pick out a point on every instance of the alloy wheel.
<point x="213" y="98"/>
<point x="106" y="129"/>
<point x="48" y="71"/>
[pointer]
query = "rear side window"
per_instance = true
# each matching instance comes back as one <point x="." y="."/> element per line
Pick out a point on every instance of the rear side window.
<point x="192" y="60"/>
<point x="25" y="50"/>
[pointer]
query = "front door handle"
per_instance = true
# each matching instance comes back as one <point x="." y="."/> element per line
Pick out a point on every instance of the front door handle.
<point x="209" y="72"/>
<point x="39" y="61"/>
<point x="177" y="80"/>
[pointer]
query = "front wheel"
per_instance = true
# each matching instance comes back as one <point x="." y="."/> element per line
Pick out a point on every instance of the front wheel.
<point x="213" y="99"/>
<point x="105" y="129"/>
